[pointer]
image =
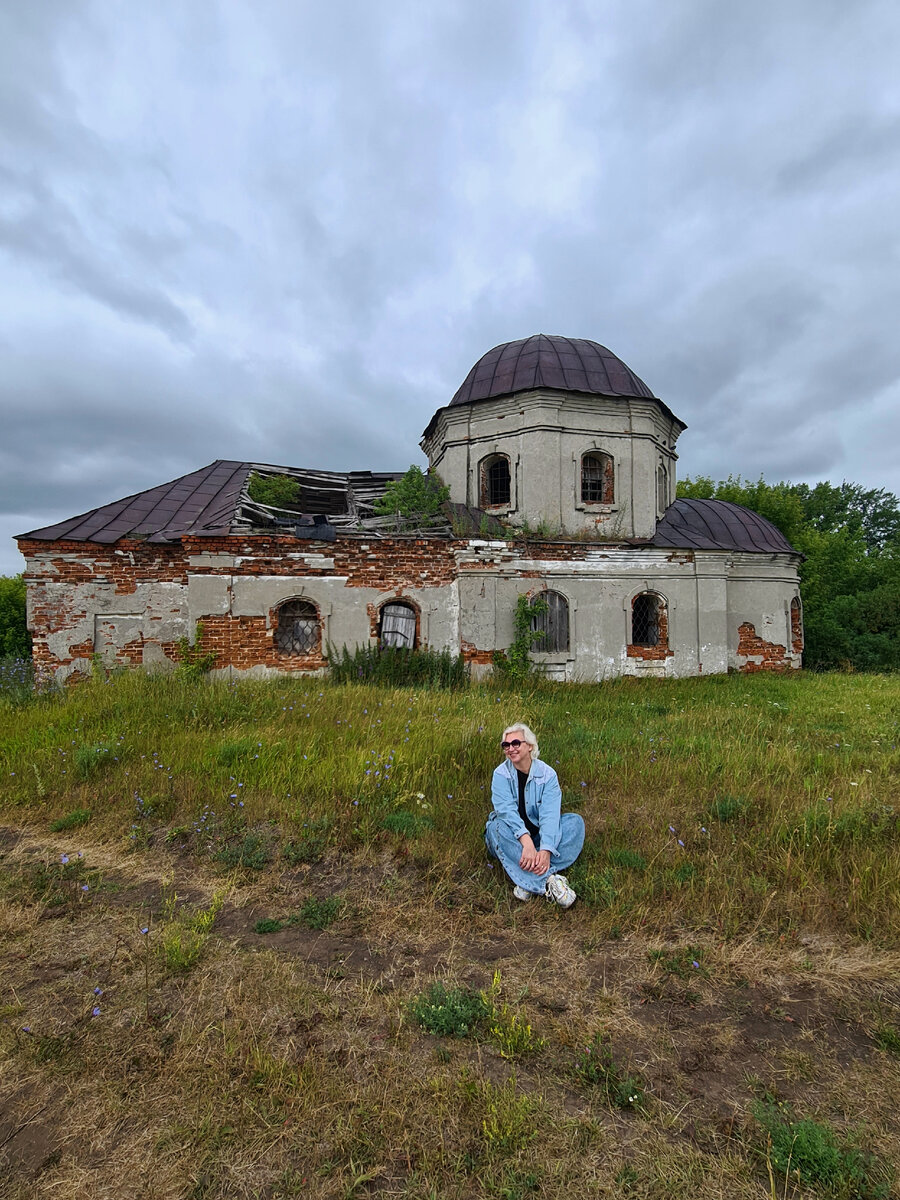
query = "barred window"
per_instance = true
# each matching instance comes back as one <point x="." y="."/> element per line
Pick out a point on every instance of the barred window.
<point x="597" y="479"/>
<point x="553" y="624"/>
<point x="495" y="484"/>
<point x="645" y="620"/>
<point x="397" y="626"/>
<point x="298" y="627"/>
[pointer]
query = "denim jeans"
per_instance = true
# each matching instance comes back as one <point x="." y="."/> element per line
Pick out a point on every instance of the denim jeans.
<point x="501" y="844"/>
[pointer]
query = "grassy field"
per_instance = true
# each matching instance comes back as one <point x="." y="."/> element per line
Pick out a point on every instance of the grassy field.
<point x="251" y="945"/>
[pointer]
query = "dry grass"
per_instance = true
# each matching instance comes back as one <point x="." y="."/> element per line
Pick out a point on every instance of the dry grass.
<point x="288" y="1064"/>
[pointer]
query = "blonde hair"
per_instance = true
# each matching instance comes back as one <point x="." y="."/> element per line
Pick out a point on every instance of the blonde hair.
<point x="527" y="736"/>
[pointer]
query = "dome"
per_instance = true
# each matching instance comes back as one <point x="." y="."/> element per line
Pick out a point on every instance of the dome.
<point x="718" y="525"/>
<point x="570" y="364"/>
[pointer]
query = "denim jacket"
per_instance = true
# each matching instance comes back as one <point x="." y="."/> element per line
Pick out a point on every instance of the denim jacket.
<point x="543" y="800"/>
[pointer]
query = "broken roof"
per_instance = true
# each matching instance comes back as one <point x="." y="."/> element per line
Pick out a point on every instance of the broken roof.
<point x="214" y="501"/>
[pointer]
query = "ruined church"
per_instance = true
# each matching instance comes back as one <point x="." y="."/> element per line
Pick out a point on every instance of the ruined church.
<point x="561" y="468"/>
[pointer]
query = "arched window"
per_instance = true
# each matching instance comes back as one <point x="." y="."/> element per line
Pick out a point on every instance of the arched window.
<point x="662" y="488"/>
<point x="297" y="631"/>
<point x="494" y="485"/>
<point x="597" y="479"/>
<point x="397" y="626"/>
<point x="552" y="623"/>
<point x="646" y="610"/>
<point x="796" y="626"/>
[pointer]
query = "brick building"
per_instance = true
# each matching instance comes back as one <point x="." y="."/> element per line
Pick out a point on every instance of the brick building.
<point x="561" y="467"/>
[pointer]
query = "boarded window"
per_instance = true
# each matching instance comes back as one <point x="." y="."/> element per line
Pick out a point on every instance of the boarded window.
<point x="298" y="628"/>
<point x="645" y="620"/>
<point x="398" y="626"/>
<point x="495" y="481"/>
<point x="597" y="479"/>
<point x="553" y="624"/>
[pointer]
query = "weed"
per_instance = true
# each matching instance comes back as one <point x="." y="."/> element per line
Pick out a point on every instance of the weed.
<point x="268" y="925"/>
<point x="252" y="853"/>
<point x="508" y="1124"/>
<point x="407" y="824"/>
<point x="183" y="938"/>
<point x="91" y="759"/>
<point x="887" y="1037"/>
<point x="812" y="1153"/>
<point x="630" y="859"/>
<point x="684" y="963"/>
<point x="596" y="1067"/>
<point x="397" y="666"/>
<point x="727" y="808"/>
<point x="319" y="914"/>
<point x="193" y="663"/>
<point x="310" y="848"/>
<point x="451" y="1012"/>
<point x="73" y="820"/>
<point x="509" y="1030"/>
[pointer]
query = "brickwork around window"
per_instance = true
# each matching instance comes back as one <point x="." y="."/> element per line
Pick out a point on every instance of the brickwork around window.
<point x="597" y="478"/>
<point x="796" y="626"/>
<point x="495" y="482"/>
<point x="659" y="651"/>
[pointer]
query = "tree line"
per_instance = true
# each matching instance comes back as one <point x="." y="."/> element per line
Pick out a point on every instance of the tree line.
<point x="850" y="576"/>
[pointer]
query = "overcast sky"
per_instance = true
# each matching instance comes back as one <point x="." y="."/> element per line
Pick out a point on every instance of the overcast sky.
<point x="284" y="231"/>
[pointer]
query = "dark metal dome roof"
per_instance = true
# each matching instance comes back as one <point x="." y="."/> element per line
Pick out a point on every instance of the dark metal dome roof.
<point x="718" y="525"/>
<point x="571" y="364"/>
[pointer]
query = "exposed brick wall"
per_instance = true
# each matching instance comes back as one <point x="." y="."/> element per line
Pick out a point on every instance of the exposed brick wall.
<point x="472" y="655"/>
<point x="244" y="642"/>
<point x="758" y="654"/>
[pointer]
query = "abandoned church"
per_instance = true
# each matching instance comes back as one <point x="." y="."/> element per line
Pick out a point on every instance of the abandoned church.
<point x="560" y="464"/>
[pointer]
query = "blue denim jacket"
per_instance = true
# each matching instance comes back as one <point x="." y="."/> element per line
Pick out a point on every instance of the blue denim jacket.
<point x="543" y="800"/>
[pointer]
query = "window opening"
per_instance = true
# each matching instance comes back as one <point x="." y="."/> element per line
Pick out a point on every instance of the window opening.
<point x="661" y="488"/>
<point x="398" y="626"/>
<point x="597" y="479"/>
<point x="553" y="624"/>
<point x="495" y="481"/>
<point x="645" y="620"/>
<point x="298" y="627"/>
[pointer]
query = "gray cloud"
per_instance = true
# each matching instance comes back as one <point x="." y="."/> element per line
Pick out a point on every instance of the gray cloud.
<point x="285" y="232"/>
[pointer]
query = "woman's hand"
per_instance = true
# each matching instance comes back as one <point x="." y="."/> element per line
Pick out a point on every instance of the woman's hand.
<point x="536" y="861"/>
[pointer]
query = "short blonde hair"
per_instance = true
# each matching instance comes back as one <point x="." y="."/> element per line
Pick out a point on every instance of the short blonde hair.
<point x="527" y="736"/>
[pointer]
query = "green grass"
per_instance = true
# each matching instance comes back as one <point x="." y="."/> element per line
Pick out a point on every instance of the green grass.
<point x="700" y="796"/>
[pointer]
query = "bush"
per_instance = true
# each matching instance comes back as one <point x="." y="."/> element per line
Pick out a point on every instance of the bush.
<point x="811" y="1153"/>
<point x="397" y="666"/>
<point x="15" y="640"/>
<point x="416" y="500"/>
<point x="275" y="491"/>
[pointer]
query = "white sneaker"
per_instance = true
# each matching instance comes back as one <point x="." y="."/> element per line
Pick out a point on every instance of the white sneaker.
<point x="559" y="891"/>
<point x="521" y="894"/>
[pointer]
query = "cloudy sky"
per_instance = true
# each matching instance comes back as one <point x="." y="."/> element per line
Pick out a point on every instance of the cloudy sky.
<point x="283" y="231"/>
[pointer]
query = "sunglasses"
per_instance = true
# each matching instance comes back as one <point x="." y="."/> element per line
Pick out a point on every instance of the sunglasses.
<point x="513" y="745"/>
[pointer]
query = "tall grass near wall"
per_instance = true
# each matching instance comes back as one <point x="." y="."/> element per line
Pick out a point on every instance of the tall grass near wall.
<point x="759" y="805"/>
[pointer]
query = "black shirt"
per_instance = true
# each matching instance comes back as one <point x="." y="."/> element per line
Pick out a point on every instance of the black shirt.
<point x="529" y="825"/>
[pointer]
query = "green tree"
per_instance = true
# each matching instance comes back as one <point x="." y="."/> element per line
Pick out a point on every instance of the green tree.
<point x="417" y="498"/>
<point x="15" y="640"/>
<point x="850" y="576"/>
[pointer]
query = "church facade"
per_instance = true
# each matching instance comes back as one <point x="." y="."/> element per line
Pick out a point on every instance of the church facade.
<point x="561" y="467"/>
